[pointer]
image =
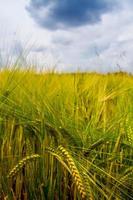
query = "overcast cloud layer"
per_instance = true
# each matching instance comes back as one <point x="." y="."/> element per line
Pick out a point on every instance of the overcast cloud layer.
<point x="78" y="34"/>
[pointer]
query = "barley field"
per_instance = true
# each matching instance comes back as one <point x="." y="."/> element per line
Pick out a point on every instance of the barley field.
<point x="66" y="136"/>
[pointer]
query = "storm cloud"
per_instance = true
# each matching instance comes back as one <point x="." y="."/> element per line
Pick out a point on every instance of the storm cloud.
<point x="60" y="14"/>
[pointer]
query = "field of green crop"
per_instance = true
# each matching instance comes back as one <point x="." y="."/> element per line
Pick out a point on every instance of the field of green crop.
<point x="66" y="136"/>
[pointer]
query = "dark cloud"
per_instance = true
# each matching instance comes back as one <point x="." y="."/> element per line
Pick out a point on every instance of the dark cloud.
<point x="54" y="14"/>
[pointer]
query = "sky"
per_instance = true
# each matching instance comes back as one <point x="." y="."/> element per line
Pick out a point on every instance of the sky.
<point x="68" y="35"/>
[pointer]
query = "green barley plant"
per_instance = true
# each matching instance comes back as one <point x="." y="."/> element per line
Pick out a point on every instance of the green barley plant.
<point x="65" y="135"/>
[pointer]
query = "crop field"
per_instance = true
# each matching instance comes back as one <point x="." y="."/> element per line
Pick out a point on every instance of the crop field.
<point x="66" y="136"/>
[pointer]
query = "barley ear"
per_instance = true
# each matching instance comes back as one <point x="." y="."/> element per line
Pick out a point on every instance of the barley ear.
<point x="75" y="173"/>
<point x="21" y="164"/>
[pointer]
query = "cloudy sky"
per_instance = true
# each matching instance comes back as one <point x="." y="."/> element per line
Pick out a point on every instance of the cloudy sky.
<point x="68" y="34"/>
